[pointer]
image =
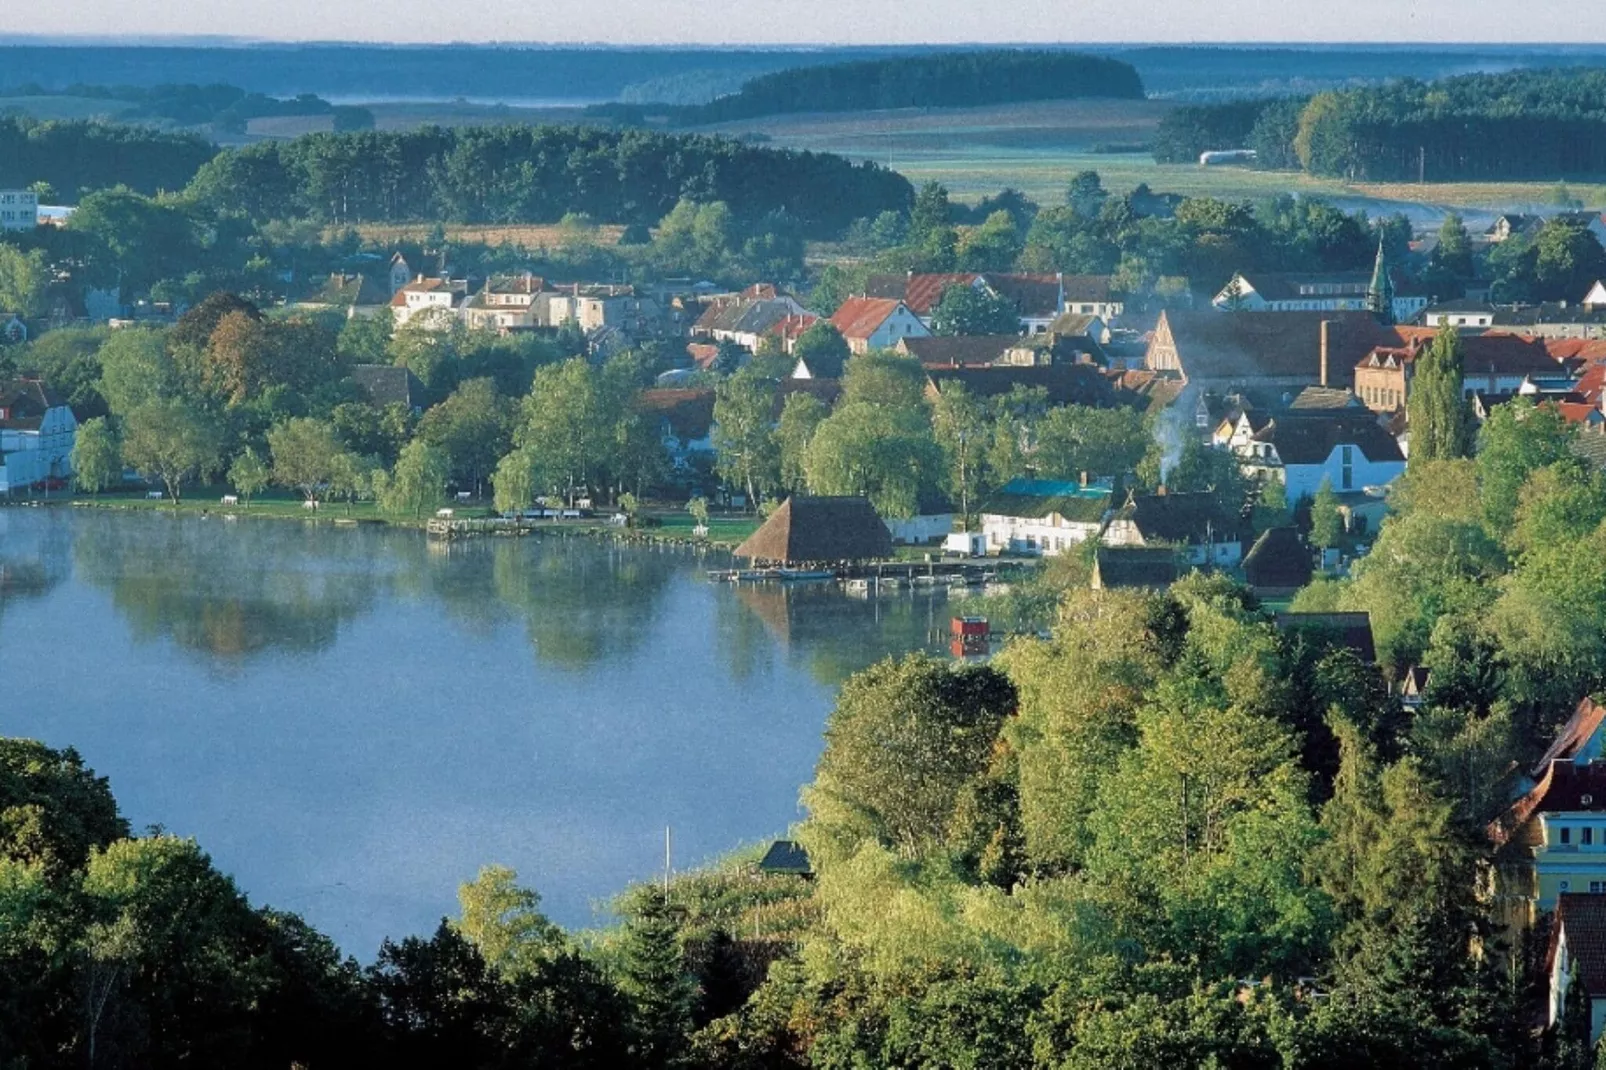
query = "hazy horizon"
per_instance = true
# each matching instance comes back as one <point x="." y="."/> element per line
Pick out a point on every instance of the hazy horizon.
<point x="724" y="23"/>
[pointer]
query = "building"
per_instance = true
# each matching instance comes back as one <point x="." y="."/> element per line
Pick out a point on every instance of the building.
<point x="353" y="295"/>
<point x="1090" y="295"/>
<point x="1492" y="364"/>
<point x="1063" y="384"/>
<point x="1561" y="319"/>
<point x="686" y="423"/>
<point x="388" y="384"/>
<point x="869" y="323"/>
<point x="1227" y="353"/>
<point x="1136" y="568"/>
<point x="819" y="531"/>
<point x="964" y="351"/>
<point x="435" y="303"/>
<point x="1043" y="517"/>
<point x="399" y="273"/>
<point x="505" y="302"/>
<point x="19" y="209"/>
<point x="1577" y="956"/>
<point x="1278" y="564"/>
<point x="1552" y="840"/>
<point x="1348" y="451"/>
<point x="1198" y="526"/>
<point x="747" y="321"/>
<point x="37" y="433"/>
<point x="1512" y="225"/>
<point x="1345" y="631"/>
<point x="1037" y="299"/>
<point x="1384" y="292"/>
<point x="1466" y="314"/>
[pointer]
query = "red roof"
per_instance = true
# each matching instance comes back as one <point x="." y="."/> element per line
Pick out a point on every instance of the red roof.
<point x="1577" y="412"/>
<point x="1585" y="720"/>
<point x="920" y="292"/>
<point x="859" y="317"/>
<point x="1582" y="918"/>
<point x="793" y="326"/>
<point x="1563" y="789"/>
<point x="702" y="354"/>
<point x="1482" y="354"/>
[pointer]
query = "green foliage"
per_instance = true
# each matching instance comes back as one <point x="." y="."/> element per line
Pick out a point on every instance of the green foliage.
<point x="800" y="417"/>
<point x="966" y="310"/>
<point x="513" y="483"/>
<point x="886" y="454"/>
<point x="24" y="279"/>
<point x="170" y="441"/>
<point x="1326" y="523"/>
<point x="654" y="975"/>
<point x="744" y="440"/>
<point x="1515" y="441"/>
<point x="418" y="482"/>
<point x="97" y="456"/>
<point x="1441" y="419"/>
<point x="304" y="455"/>
<point x="1074" y="439"/>
<point x="473" y="428"/>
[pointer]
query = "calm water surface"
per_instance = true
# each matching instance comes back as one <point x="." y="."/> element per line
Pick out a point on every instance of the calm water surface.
<point x="353" y="721"/>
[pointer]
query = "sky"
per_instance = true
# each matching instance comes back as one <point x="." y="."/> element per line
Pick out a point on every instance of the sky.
<point x="830" y="21"/>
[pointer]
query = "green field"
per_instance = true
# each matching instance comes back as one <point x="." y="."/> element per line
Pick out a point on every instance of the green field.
<point x="53" y="107"/>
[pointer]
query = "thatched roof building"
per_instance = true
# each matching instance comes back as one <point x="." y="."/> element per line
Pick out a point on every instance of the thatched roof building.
<point x="819" y="531"/>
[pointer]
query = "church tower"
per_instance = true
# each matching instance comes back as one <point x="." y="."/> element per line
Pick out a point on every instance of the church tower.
<point x="1380" y="294"/>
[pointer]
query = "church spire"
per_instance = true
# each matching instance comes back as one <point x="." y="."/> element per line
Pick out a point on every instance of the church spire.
<point x="1380" y="293"/>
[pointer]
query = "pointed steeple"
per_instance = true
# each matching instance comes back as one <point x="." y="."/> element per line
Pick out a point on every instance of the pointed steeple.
<point x="1380" y="294"/>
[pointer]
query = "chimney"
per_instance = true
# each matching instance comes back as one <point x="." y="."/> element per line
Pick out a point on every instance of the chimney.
<point x="1159" y="492"/>
<point x="1327" y="326"/>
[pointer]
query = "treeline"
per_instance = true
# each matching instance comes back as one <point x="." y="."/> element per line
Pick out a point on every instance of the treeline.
<point x="948" y="80"/>
<point x="76" y="156"/>
<point x="226" y="107"/>
<point x="539" y="174"/>
<point x="1526" y="124"/>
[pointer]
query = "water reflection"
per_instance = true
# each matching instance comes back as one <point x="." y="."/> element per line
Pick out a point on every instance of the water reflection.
<point x="31" y="565"/>
<point x="834" y="636"/>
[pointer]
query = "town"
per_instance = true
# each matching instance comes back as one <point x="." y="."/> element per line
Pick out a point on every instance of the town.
<point x="1263" y="543"/>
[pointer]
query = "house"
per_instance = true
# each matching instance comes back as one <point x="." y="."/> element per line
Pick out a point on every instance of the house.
<point x="1595" y="299"/>
<point x="1336" y="292"/>
<point x="1350" y="631"/>
<point x="829" y="366"/>
<point x="13" y="331"/>
<point x="1473" y="315"/>
<point x="686" y="422"/>
<point x="388" y="384"/>
<point x="400" y="273"/>
<point x="19" y="209"/>
<point x="1348" y="451"/>
<point x="1278" y="564"/>
<point x="1136" y="568"/>
<point x="965" y="351"/>
<point x="1577" y="956"/>
<point x="37" y="433"/>
<point x="820" y="531"/>
<point x="1063" y="384"/>
<point x="595" y="307"/>
<point x="1090" y="295"/>
<point x="1414" y="687"/>
<point x="1042" y="517"/>
<point x="932" y="523"/>
<point x="435" y="303"/>
<point x="1550" y="842"/>
<point x="1197" y="525"/>
<point x="746" y="320"/>
<point x="869" y="323"/>
<point x="1223" y="352"/>
<point x="786" y="858"/>
<point x="1037" y="299"/>
<point x="1512" y="225"/>
<point x="352" y="294"/>
<point x="505" y="302"/>
<point x="1492" y="363"/>
<point x="1560" y="319"/>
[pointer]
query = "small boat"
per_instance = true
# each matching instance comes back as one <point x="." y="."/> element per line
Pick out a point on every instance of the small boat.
<point x="798" y="575"/>
<point x="860" y="586"/>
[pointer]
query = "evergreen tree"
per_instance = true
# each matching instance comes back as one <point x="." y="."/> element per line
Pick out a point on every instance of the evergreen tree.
<point x="1441" y="421"/>
<point x="1326" y="523"/>
<point x="655" y="978"/>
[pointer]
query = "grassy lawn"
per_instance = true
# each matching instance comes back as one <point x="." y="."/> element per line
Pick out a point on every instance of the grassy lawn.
<point x="721" y="529"/>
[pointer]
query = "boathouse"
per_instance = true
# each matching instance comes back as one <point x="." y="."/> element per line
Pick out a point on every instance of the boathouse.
<point x="819" y="531"/>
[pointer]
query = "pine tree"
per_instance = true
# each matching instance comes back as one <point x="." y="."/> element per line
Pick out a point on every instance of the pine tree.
<point x="655" y="978"/>
<point x="1441" y="422"/>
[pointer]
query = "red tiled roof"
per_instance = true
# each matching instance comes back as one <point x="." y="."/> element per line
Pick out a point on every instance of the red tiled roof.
<point x="859" y="317"/>
<point x="1583" y="918"/>
<point x="702" y="354"/>
<point x="689" y="413"/>
<point x="920" y="292"/>
<point x="1562" y="789"/>
<point x="1577" y="412"/>
<point x="793" y="326"/>
<point x="1586" y="718"/>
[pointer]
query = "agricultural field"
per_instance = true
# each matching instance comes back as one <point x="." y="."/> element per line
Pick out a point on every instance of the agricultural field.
<point x="528" y="235"/>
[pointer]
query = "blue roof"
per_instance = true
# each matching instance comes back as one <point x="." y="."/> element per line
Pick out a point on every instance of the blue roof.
<point x="1058" y="488"/>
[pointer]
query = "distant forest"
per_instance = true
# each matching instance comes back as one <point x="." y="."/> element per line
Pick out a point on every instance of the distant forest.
<point x="225" y="107"/>
<point x="76" y="156"/>
<point x="515" y="174"/>
<point x="1525" y="124"/>
<point x="954" y="79"/>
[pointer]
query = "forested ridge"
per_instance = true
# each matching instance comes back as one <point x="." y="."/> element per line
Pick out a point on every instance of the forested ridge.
<point x="1524" y="124"/>
<point x="955" y="79"/>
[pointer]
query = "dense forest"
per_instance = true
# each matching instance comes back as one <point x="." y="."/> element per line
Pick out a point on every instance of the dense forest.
<point x="74" y="156"/>
<point x="538" y="175"/>
<point x="225" y="107"/>
<point x="1525" y="124"/>
<point x="951" y="80"/>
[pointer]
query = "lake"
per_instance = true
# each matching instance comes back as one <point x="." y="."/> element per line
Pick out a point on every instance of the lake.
<point x="353" y="721"/>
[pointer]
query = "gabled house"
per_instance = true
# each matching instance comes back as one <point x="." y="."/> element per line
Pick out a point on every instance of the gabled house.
<point x="1090" y="295"/>
<point x="388" y="384"/>
<point x="37" y="433"/>
<point x="869" y="323"/>
<point x="1037" y="299"/>
<point x="1278" y="564"/>
<point x="1349" y="451"/>
<point x="1549" y="842"/>
<point x="399" y="273"/>
<point x="966" y="351"/>
<point x="1225" y="352"/>
<point x="1577" y="956"/>
<point x="686" y="423"/>
<point x="1595" y="299"/>
<point x="1512" y="225"/>
<point x="1063" y="384"/>
<point x="505" y="302"/>
<point x="1493" y="363"/>
<point x="747" y="318"/>
<point x="355" y="295"/>
<point x="1334" y="292"/>
<point x="1202" y="529"/>
<point x="434" y="303"/>
<point x="1465" y="314"/>
<point x="1136" y="568"/>
<point x="1043" y="517"/>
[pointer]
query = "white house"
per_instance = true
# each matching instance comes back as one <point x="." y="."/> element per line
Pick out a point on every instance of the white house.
<point x="19" y="209"/>
<point x="1340" y="292"/>
<point x="436" y="303"/>
<point x="1472" y="315"/>
<point x="37" y="432"/>
<point x="1202" y="529"/>
<point x="1045" y="518"/>
<point x="1577" y="955"/>
<point x="504" y="303"/>
<point x="928" y="527"/>
<point x="869" y="323"/>
<point x="1350" y="451"/>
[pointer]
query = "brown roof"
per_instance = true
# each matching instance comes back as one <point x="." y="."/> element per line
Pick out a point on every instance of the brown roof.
<point x="1582" y="917"/>
<point x="458" y="288"/>
<point x="824" y="390"/>
<point x="1032" y="295"/>
<point x="1563" y="789"/>
<point x="1141" y="567"/>
<point x="1037" y="296"/>
<point x="819" y="530"/>
<point x="859" y="317"/>
<point x="1584" y="722"/>
<point x="1183" y="518"/>
<point x="25" y="401"/>
<point x="1087" y="289"/>
<point x="1482" y="354"/>
<point x="1242" y="346"/>
<point x="343" y="290"/>
<point x="1279" y="559"/>
<point x="965" y="351"/>
<point x="689" y="413"/>
<point x="920" y="292"/>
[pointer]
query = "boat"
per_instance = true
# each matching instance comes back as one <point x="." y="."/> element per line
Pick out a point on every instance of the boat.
<point x="860" y="586"/>
<point x="799" y="575"/>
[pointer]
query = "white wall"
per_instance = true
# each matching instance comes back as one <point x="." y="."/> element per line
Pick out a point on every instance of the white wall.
<point x="919" y="530"/>
<point x="1304" y="480"/>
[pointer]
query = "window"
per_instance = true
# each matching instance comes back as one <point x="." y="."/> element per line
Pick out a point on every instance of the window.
<point x="1566" y="835"/>
<point x="1564" y="885"/>
<point x="1597" y="887"/>
<point x="1586" y="836"/>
